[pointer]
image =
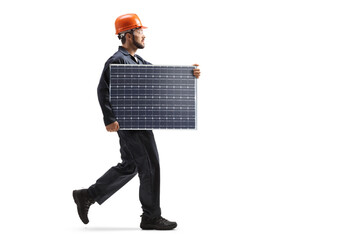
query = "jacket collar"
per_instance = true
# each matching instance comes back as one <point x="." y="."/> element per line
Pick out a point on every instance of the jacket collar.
<point x="123" y="50"/>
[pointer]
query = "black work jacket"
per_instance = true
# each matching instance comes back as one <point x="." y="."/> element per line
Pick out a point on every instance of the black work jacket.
<point x="120" y="57"/>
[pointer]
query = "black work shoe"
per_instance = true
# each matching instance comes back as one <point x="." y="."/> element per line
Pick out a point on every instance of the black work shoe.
<point x="83" y="202"/>
<point x="158" y="223"/>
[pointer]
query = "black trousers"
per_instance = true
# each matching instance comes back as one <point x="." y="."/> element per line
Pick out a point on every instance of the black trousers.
<point x="139" y="155"/>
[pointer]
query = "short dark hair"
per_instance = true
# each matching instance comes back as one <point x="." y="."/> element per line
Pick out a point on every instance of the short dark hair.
<point x="122" y="37"/>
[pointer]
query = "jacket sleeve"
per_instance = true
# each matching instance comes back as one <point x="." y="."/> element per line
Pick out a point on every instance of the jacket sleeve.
<point x="104" y="95"/>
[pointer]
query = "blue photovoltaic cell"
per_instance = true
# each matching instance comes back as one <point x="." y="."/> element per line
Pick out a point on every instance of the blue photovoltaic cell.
<point x="153" y="96"/>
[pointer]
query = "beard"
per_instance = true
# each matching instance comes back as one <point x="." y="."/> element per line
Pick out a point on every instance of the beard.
<point x="137" y="44"/>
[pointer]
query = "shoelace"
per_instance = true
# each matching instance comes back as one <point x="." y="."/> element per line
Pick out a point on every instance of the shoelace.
<point x="87" y="204"/>
<point x="162" y="220"/>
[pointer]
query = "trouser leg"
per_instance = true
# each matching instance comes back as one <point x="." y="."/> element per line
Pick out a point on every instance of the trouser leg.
<point x="139" y="154"/>
<point x="149" y="175"/>
<point x="116" y="177"/>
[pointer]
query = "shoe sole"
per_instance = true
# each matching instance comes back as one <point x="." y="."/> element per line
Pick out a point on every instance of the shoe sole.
<point x="76" y="200"/>
<point x="154" y="227"/>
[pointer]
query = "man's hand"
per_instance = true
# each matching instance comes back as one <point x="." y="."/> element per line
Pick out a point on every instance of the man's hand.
<point x="113" y="127"/>
<point x="196" y="71"/>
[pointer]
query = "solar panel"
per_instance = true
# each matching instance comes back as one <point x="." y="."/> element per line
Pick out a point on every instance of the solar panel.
<point x="153" y="96"/>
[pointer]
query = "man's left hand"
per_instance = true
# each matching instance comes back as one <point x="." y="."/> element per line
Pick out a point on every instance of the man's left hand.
<point x="196" y="71"/>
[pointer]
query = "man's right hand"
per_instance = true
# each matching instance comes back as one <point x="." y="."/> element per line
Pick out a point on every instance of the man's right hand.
<point x="112" y="127"/>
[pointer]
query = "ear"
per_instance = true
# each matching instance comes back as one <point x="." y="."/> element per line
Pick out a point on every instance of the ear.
<point x="128" y="37"/>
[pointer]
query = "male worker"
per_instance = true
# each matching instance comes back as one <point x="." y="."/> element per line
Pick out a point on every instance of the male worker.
<point x="138" y="148"/>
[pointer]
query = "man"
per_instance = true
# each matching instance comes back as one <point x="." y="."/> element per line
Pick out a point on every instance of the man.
<point x="138" y="148"/>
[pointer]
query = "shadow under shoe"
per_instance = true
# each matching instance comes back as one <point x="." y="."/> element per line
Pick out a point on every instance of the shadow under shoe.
<point x="83" y="202"/>
<point x="158" y="223"/>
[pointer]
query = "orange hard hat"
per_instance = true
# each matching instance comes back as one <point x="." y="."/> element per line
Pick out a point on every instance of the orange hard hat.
<point x="127" y="22"/>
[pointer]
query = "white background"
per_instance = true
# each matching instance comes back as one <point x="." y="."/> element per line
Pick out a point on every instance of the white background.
<point x="276" y="154"/>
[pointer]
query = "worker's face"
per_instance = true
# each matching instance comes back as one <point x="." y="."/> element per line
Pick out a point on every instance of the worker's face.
<point x="139" y="38"/>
